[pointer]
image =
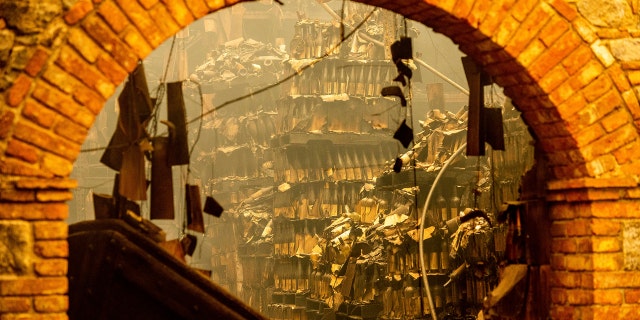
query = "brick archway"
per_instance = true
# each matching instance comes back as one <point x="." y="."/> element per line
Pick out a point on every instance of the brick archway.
<point x="575" y="96"/>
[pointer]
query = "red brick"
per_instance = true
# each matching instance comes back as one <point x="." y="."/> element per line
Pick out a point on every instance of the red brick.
<point x="18" y="195"/>
<point x="607" y="312"/>
<point x="33" y="286"/>
<point x="586" y="135"/>
<point x="579" y="297"/>
<point x="111" y="69"/>
<point x="599" y="166"/>
<point x="56" y="166"/>
<point x="626" y="153"/>
<point x="51" y="267"/>
<point x="70" y="130"/>
<point x="555" y="28"/>
<point x="167" y="25"/>
<point x="80" y="41"/>
<point x="610" y="142"/>
<point x="103" y="35"/>
<point x="583" y="244"/>
<point x="563" y="312"/>
<point x="39" y="114"/>
<point x="616" y="279"/>
<point x="54" y="303"/>
<point x="578" y="59"/>
<point x="19" y="90"/>
<point x="69" y="60"/>
<point x="179" y="11"/>
<point x="558" y="296"/>
<point x="147" y="4"/>
<point x="137" y="42"/>
<point x="607" y="296"/>
<point x="632" y="103"/>
<point x="16" y="167"/>
<point x="558" y="262"/>
<point x="21" y="150"/>
<point x="61" y="79"/>
<point x="597" y="88"/>
<point x="112" y="14"/>
<point x="618" y="77"/>
<point x="490" y="18"/>
<point x="615" y="119"/>
<point x="53" y="195"/>
<point x="37" y="61"/>
<point x="629" y="312"/>
<point x="579" y="262"/>
<point x="553" y="79"/>
<point x="78" y="11"/>
<point x="51" y="248"/>
<point x="199" y="8"/>
<point x="56" y="184"/>
<point x="632" y="296"/>
<point x="142" y="21"/>
<point x="6" y="123"/>
<point x="49" y="230"/>
<point x="46" y="140"/>
<point x="460" y="10"/>
<point x="564" y="9"/>
<point x="556" y="53"/>
<point x="564" y="245"/>
<point x="528" y="30"/>
<point x="608" y="261"/>
<point x="216" y="4"/>
<point x="565" y="279"/>
<point x="606" y="244"/>
<point x="89" y="98"/>
<point x="14" y="304"/>
<point x="61" y="102"/>
<point x="562" y="93"/>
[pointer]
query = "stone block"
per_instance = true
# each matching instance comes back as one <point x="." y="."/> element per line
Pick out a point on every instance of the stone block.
<point x="631" y="245"/>
<point x="16" y="245"/>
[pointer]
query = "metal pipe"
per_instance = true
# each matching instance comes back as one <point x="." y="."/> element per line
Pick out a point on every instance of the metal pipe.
<point x="421" y="235"/>
<point x="442" y="76"/>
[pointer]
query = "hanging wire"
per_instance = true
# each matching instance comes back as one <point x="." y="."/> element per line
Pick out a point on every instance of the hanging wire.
<point x="268" y="87"/>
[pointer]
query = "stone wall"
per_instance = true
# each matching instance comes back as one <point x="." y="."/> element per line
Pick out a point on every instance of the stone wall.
<point x="572" y="67"/>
